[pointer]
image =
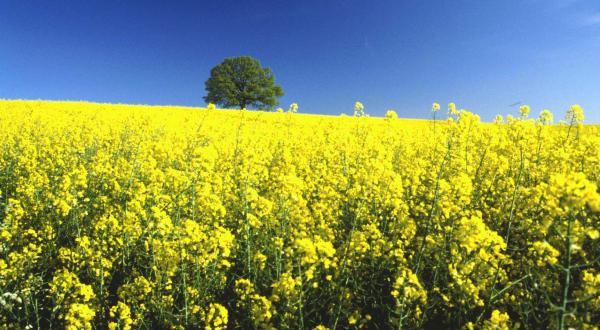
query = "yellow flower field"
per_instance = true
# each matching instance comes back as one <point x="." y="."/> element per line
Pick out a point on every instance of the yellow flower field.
<point x="126" y="217"/>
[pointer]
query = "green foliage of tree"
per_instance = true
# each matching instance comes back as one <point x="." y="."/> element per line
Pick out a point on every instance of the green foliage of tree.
<point x="242" y="82"/>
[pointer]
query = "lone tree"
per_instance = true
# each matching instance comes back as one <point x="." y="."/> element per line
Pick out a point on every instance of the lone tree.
<point x="242" y="81"/>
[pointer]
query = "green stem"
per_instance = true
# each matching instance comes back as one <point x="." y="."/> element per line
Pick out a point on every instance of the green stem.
<point x="565" y="297"/>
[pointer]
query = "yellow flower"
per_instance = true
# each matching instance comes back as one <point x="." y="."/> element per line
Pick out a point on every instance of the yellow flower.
<point x="353" y="318"/>
<point x="79" y="316"/>
<point x="358" y="106"/>
<point x="216" y="317"/>
<point x="121" y="314"/>
<point x="452" y="109"/>
<point x="497" y="321"/>
<point x="499" y="119"/>
<point x="391" y="114"/>
<point x="593" y="234"/>
<point x="544" y="253"/>
<point x="575" y="113"/>
<point x="546" y="116"/>
<point x="293" y="108"/>
<point x="359" y="109"/>
<point x="524" y="110"/>
<point x="261" y="260"/>
<point x="320" y="327"/>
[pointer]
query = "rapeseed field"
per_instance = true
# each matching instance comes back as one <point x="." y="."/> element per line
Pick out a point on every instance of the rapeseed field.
<point x="139" y="217"/>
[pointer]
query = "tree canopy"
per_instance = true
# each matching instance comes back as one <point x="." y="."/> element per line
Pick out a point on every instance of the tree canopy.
<point x="242" y="82"/>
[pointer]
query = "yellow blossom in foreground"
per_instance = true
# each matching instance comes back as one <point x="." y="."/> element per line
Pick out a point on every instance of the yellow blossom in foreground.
<point x="79" y="316"/>
<point x="497" y="321"/>
<point x="216" y="317"/>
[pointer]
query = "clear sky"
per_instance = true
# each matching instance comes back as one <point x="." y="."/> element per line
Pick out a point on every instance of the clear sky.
<point x="398" y="54"/>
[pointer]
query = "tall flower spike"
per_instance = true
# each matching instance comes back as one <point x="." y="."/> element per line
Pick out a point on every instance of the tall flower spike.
<point x="546" y="116"/>
<point x="358" y="106"/>
<point x="359" y="109"/>
<point x="499" y="119"/>
<point x="391" y="114"/>
<point x="575" y="113"/>
<point x="452" y="109"/>
<point x="524" y="111"/>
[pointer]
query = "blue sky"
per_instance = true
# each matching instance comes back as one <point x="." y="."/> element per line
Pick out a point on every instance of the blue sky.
<point x="398" y="54"/>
